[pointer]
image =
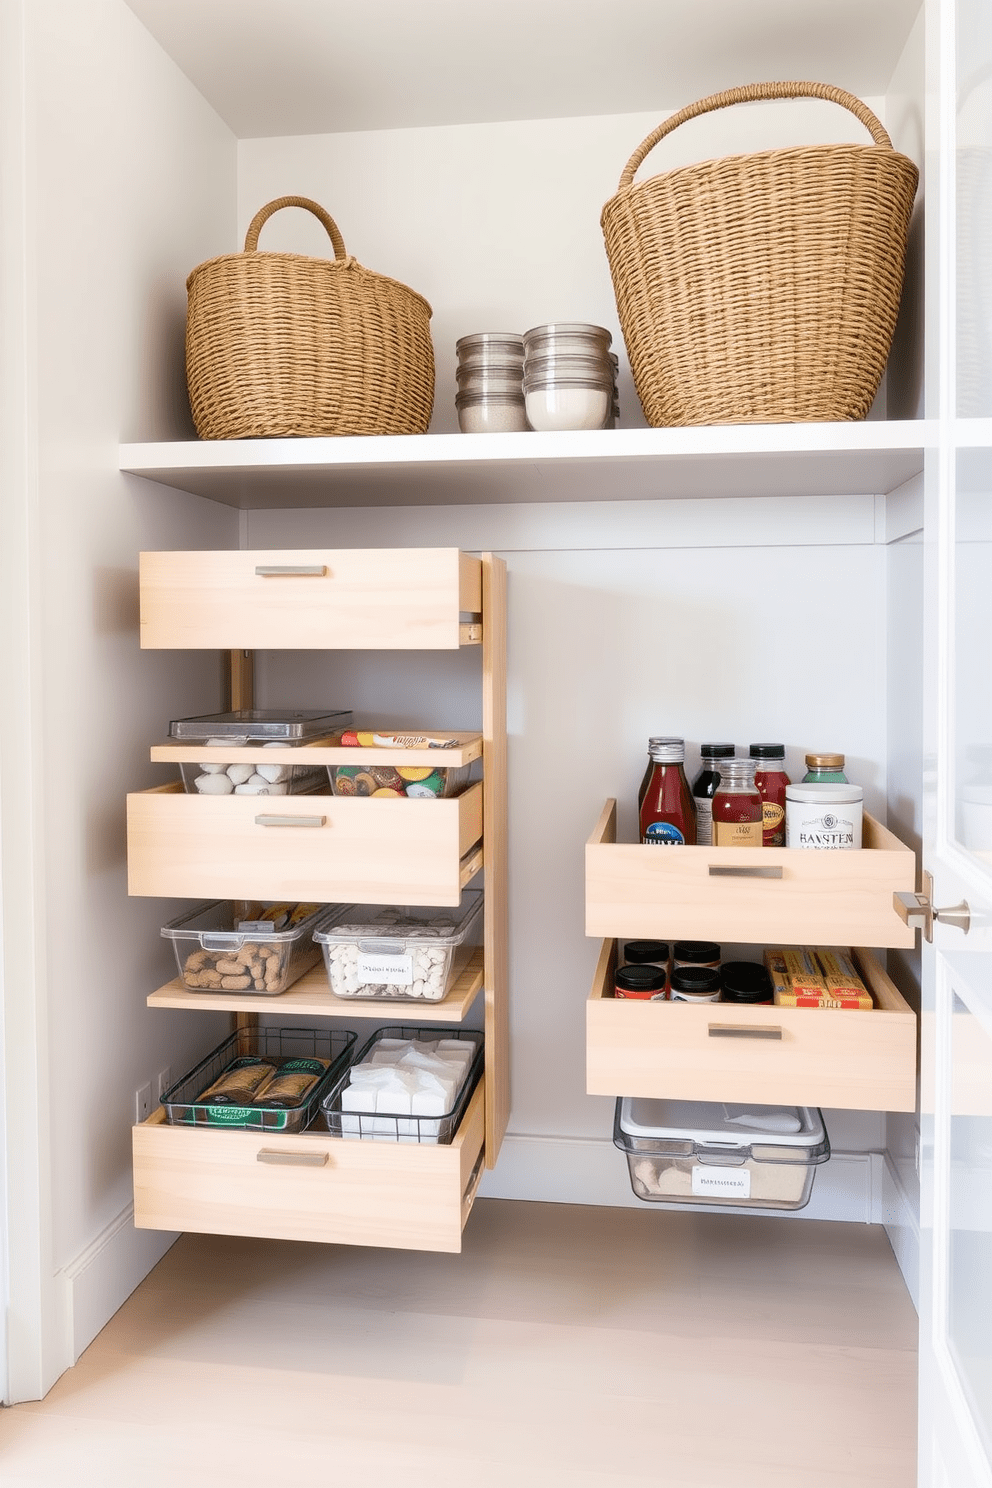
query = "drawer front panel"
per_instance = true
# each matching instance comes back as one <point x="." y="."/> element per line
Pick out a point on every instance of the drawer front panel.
<point x="325" y="849"/>
<point x="763" y="896"/>
<point x="772" y="1055"/>
<point x="310" y="1187"/>
<point x="341" y="599"/>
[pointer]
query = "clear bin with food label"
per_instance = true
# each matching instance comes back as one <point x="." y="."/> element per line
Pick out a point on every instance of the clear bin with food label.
<point x="252" y="729"/>
<point x="704" y="1152"/>
<point x="405" y="1085"/>
<point x="410" y="953"/>
<point x="275" y="1088"/>
<point x="256" y="947"/>
<point x="422" y="782"/>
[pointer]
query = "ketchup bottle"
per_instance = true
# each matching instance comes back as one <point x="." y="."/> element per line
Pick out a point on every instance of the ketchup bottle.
<point x="667" y="810"/>
<point x="770" y="780"/>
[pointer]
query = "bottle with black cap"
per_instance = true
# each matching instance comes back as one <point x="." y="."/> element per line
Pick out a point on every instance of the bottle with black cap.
<point x="704" y="788"/>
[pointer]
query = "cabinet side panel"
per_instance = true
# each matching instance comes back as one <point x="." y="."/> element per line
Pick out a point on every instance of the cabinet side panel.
<point x="496" y="854"/>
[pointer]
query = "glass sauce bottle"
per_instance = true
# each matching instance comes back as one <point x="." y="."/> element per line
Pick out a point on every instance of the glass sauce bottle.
<point x="667" y="810"/>
<point x="704" y="788"/>
<point x="737" y="815"/>
<point x="770" y="781"/>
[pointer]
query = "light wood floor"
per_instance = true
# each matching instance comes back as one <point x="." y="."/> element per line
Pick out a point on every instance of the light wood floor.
<point x="566" y="1346"/>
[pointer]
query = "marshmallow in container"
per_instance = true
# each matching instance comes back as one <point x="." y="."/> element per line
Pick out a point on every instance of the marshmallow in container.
<point x="241" y="780"/>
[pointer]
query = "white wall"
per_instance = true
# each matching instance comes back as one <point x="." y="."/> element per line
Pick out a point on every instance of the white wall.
<point x="130" y="182"/>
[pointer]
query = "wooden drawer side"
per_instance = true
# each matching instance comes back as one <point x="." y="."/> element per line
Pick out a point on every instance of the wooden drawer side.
<point x="309" y="1187"/>
<point x="778" y="1056"/>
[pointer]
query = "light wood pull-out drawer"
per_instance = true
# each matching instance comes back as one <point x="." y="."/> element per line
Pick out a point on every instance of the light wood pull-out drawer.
<point x="774" y="1055"/>
<point x="308" y="1187"/>
<point x="764" y="895"/>
<point x="328" y="599"/>
<point x="324" y="849"/>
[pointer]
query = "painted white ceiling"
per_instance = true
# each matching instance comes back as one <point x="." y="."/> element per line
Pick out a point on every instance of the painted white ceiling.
<point x="285" y="67"/>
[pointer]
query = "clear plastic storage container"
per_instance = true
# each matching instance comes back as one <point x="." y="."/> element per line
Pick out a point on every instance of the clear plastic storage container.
<point x="407" y="953"/>
<point x="294" y="1056"/>
<point x="701" y="1152"/>
<point x="416" y="781"/>
<point x="262" y="951"/>
<point x="261" y="725"/>
<point x="255" y="727"/>
<point x="405" y="1085"/>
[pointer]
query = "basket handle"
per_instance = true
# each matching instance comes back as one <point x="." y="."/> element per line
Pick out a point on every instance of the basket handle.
<point x="262" y="216"/>
<point x="753" y="93"/>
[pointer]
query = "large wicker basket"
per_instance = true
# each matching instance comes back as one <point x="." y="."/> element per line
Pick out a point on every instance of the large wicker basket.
<point x="762" y="288"/>
<point x="280" y="344"/>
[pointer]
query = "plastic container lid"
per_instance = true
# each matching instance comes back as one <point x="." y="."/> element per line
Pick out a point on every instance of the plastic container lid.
<point x="825" y="761"/>
<point x="387" y="923"/>
<point x="486" y="340"/>
<point x="215" y="928"/>
<point x="830" y="795"/>
<point x="717" y="751"/>
<point x="568" y="328"/>
<point x="767" y="751"/>
<point x="745" y="981"/>
<point x="666" y="751"/>
<point x="261" y="723"/>
<point x="701" y="951"/>
<point x="639" y="952"/>
<point x="700" y="980"/>
<point x="709" y="1123"/>
<point x="641" y="978"/>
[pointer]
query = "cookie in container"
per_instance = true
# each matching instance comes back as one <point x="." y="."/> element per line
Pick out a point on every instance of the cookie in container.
<point x="251" y="948"/>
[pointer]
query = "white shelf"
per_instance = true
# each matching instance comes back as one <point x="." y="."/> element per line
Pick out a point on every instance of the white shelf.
<point x="461" y="469"/>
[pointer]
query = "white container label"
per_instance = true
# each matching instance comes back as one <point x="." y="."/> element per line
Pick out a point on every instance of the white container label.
<point x="394" y="971"/>
<point x="721" y="1183"/>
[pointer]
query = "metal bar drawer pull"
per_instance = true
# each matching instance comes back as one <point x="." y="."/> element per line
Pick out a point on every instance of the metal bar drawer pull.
<point x="291" y="1159"/>
<point x="290" y="821"/>
<point x="745" y="870"/>
<point x="737" y="1030"/>
<point x="291" y="570"/>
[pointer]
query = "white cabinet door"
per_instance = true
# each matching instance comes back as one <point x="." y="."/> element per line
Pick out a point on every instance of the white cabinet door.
<point x="956" y="1104"/>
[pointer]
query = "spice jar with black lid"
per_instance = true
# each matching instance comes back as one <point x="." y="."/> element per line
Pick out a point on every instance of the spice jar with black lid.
<point x="695" y="984"/>
<point x="646" y="953"/>
<point x="696" y="953"/>
<point x="745" y="981"/>
<point x="643" y="983"/>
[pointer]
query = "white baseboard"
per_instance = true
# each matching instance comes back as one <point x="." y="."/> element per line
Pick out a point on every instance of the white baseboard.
<point x="100" y="1280"/>
<point x="590" y="1170"/>
<point x="900" y="1216"/>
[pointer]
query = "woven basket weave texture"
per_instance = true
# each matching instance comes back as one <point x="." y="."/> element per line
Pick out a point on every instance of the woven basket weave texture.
<point x="762" y="288"/>
<point x="280" y="344"/>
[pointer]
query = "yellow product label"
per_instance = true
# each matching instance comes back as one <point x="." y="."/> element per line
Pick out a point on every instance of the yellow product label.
<point x="772" y="815"/>
<point x="737" y="834"/>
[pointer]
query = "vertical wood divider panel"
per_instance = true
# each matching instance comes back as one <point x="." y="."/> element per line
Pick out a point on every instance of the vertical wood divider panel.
<point x="495" y="853"/>
<point x="241" y="694"/>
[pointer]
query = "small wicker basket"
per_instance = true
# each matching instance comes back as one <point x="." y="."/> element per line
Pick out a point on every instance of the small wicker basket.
<point x="280" y="344"/>
<point x="762" y="288"/>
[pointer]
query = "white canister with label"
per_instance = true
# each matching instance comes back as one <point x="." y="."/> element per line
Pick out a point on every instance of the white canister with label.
<point x="823" y="817"/>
